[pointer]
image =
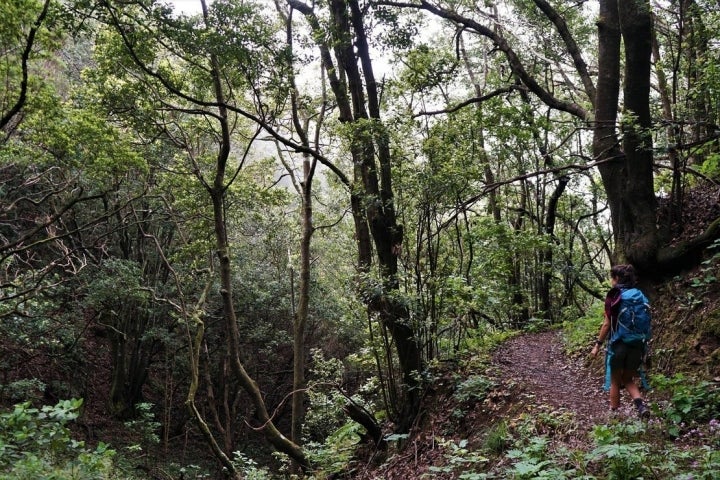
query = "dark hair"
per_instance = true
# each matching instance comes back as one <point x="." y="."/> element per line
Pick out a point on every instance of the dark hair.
<point x="624" y="274"/>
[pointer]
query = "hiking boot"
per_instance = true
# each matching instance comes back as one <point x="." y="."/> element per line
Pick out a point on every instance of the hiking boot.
<point x="642" y="409"/>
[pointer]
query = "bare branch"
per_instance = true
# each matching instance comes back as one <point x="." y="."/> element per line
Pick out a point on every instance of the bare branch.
<point x="501" y="43"/>
<point x="470" y="101"/>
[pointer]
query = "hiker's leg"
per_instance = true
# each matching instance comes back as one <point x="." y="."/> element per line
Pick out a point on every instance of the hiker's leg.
<point x="630" y="385"/>
<point x="633" y="359"/>
<point x="615" y="382"/>
<point x="634" y="392"/>
<point x="617" y="365"/>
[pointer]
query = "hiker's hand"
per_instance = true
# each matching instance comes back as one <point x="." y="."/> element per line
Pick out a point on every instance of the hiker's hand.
<point x="595" y="350"/>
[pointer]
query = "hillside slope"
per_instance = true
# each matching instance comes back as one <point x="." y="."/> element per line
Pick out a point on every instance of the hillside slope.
<point x="528" y="377"/>
<point x="533" y="411"/>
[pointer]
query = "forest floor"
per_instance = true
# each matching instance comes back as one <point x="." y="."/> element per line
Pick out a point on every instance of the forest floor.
<point x="548" y="377"/>
<point x="533" y="382"/>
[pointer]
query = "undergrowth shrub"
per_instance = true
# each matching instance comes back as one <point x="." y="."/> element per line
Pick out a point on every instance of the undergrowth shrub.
<point x="533" y="459"/>
<point x="579" y="334"/>
<point x="619" y="451"/>
<point x="498" y="438"/>
<point x="35" y="443"/>
<point x="249" y="467"/>
<point x="334" y="454"/>
<point x="691" y="402"/>
<point x="635" y="450"/>
<point x="23" y="389"/>
<point x="460" y="460"/>
<point x="474" y="388"/>
<point x="145" y="428"/>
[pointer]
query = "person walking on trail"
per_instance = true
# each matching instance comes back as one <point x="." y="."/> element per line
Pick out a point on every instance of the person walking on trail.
<point x="627" y="328"/>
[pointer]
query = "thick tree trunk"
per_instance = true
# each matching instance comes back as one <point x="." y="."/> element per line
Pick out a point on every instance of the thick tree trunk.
<point x="637" y="228"/>
<point x="627" y="174"/>
<point x="606" y="147"/>
<point x="130" y="360"/>
<point x="372" y="204"/>
<point x="387" y="234"/>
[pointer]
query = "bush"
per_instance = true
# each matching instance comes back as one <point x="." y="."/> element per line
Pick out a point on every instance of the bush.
<point x="691" y="402"/>
<point x="36" y="444"/>
<point x="580" y="334"/>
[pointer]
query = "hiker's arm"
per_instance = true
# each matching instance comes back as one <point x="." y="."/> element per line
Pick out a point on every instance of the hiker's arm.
<point x="604" y="329"/>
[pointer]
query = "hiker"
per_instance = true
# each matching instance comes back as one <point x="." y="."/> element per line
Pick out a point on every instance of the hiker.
<point x="625" y="306"/>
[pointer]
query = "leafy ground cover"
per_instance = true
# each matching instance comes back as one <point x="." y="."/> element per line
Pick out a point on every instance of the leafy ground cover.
<point x="538" y="411"/>
<point x="527" y="407"/>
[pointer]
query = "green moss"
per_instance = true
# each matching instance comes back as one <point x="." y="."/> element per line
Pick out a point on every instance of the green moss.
<point x="709" y="324"/>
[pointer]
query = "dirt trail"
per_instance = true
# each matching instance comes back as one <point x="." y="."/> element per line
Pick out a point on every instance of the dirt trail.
<point x="533" y="375"/>
<point x="537" y="363"/>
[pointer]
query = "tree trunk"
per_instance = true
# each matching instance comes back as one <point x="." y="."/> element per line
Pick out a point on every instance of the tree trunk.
<point x="217" y="193"/>
<point x="272" y="434"/>
<point x="304" y="189"/>
<point x="627" y="174"/>
<point x="520" y="312"/>
<point x="637" y="228"/>
<point x="546" y="255"/>
<point x="298" y="409"/>
<point x="371" y="193"/>
<point x="119" y="404"/>
<point x="387" y="234"/>
<point x="19" y="103"/>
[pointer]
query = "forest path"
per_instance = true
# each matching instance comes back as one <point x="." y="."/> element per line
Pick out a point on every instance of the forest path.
<point x="533" y="376"/>
<point x="537" y="364"/>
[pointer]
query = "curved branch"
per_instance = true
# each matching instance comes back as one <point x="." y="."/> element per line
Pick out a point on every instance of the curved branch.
<point x="686" y="254"/>
<point x="25" y="59"/>
<point x="501" y="43"/>
<point x="470" y="101"/>
<point x="572" y="47"/>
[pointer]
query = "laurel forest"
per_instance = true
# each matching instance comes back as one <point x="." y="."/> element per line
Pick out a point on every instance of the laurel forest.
<point x="292" y="239"/>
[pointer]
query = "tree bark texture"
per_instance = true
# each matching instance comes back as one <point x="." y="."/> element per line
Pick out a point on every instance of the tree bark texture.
<point x="637" y="229"/>
<point x="627" y="172"/>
